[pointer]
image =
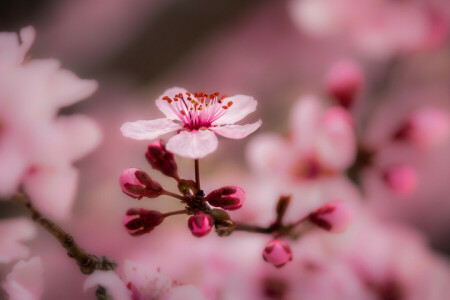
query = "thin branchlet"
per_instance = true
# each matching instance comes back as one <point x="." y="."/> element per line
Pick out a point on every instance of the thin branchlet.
<point x="87" y="262"/>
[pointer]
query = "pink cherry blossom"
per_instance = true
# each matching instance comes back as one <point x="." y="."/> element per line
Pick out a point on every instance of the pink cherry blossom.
<point x="142" y="283"/>
<point x="196" y="118"/>
<point x="12" y="233"/>
<point x="25" y="280"/>
<point x="37" y="147"/>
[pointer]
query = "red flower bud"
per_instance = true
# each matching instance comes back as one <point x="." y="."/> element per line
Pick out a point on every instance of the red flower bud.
<point x="277" y="252"/>
<point x="334" y="217"/>
<point x="138" y="221"/>
<point x="162" y="160"/>
<point x="401" y="179"/>
<point x="344" y="81"/>
<point x="137" y="184"/>
<point x="200" y="224"/>
<point x="228" y="197"/>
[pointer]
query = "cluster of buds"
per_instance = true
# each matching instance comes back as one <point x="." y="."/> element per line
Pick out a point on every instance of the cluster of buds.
<point x="334" y="217"/>
<point x="206" y="211"/>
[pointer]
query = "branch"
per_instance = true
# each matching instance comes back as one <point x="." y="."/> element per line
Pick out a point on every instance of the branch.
<point x="88" y="263"/>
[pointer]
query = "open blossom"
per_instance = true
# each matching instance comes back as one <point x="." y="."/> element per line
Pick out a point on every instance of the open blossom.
<point x="37" y="147"/>
<point x="196" y="118"/>
<point x="12" y="233"/>
<point x="141" y="283"/>
<point x="25" y="280"/>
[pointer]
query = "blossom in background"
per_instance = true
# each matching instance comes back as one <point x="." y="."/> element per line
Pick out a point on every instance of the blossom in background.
<point x="196" y="118"/>
<point x="377" y="28"/>
<point x="141" y="283"/>
<point x="37" y="147"/>
<point x="309" y="165"/>
<point x="25" y="280"/>
<point x="12" y="233"/>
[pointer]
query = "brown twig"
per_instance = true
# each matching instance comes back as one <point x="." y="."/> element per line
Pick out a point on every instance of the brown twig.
<point x="88" y="263"/>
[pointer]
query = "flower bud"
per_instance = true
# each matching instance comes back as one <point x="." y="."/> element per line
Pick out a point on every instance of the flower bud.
<point x="344" y="81"/>
<point x="277" y="252"/>
<point x="401" y="179"/>
<point x="425" y="128"/>
<point x="334" y="217"/>
<point x="200" y="224"/>
<point x="137" y="184"/>
<point x="228" y="197"/>
<point x="162" y="160"/>
<point x="138" y="221"/>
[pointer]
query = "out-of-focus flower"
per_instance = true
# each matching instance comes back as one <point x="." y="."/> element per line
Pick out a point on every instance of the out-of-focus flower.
<point x="344" y="81"/>
<point x="426" y="127"/>
<point x="37" y="148"/>
<point x="401" y="179"/>
<point x="200" y="224"/>
<point x="322" y="143"/>
<point x="25" y="280"/>
<point x="141" y="283"/>
<point x="377" y="28"/>
<point x="137" y="184"/>
<point x="139" y="221"/>
<point x="162" y="160"/>
<point x="277" y="252"/>
<point x="229" y="197"/>
<point x="334" y="217"/>
<point x="199" y="116"/>
<point x="12" y="233"/>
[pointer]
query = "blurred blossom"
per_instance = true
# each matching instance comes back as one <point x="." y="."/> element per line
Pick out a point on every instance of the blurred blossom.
<point x="13" y="232"/>
<point x="310" y="164"/>
<point x="141" y="283"/>
<point x="25" y="281"/>
<point x="377" y="28"/>
<point x="201" y="116"/>
<point x="334" y="217"/>
<point x="37" y="147"/>
<point x="401" y="179"/>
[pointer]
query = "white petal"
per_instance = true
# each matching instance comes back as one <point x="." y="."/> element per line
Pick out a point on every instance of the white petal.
<point x="193" y="144"/>
<point x="237" y="131"/>
<point x="114" y="286"/>
<point x="25" y="281"/>
<point x="305" y="120"/>
<point x="148" y="130"/>
<point x="164" y="106"/>
<point x="242" y="106"/>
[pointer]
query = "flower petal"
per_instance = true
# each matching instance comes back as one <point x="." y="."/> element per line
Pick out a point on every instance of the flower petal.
<point x="53" y="190"/>
<point x="237" y="131"/>
<point x="336" y="143"/>
<point x="25" y="280"/>
<point x="193" y="144"/>
<point x="13" y="231"/>
<point x="114" y="286"/>
<point x="241" y="107"/>
<point x="185" y="292"/>
<point x="148" y="130"/>
<point x="268" y="154"/>
<point x="164" y="106"/>
<point x="305" y="118"/>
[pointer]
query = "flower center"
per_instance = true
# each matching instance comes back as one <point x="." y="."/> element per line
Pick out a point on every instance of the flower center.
<point x="199" y="110"/>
